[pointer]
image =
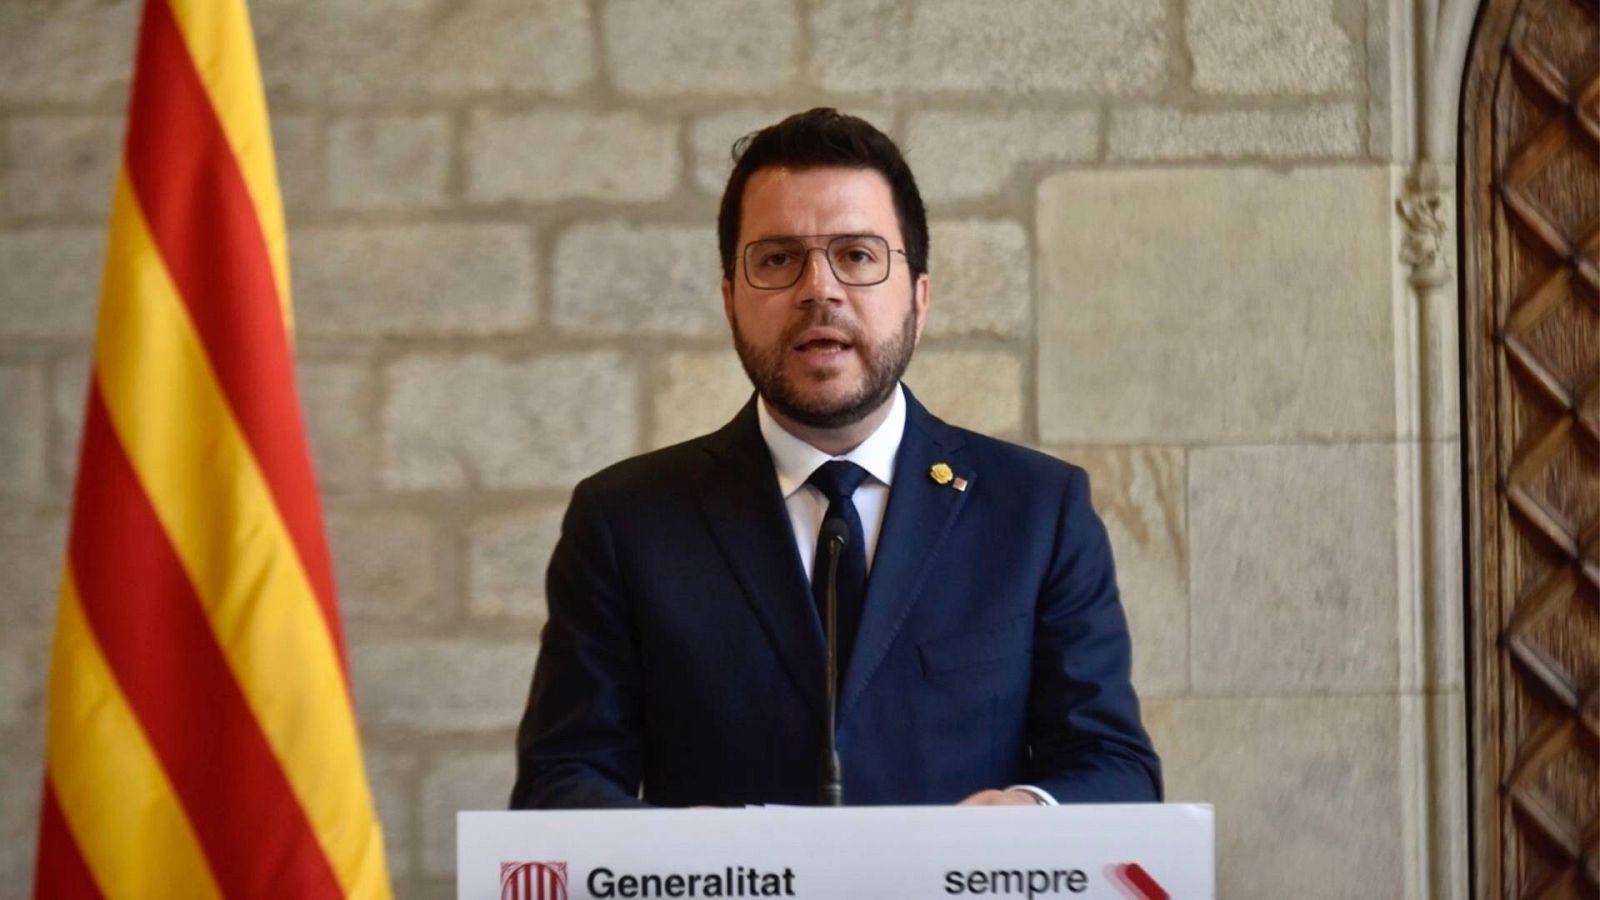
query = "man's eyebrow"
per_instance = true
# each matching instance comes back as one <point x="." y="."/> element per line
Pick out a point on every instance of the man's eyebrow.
<point x="866" y="232"/>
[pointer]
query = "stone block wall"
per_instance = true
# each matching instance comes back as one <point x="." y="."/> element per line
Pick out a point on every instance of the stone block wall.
<point x="1162" y="248"/>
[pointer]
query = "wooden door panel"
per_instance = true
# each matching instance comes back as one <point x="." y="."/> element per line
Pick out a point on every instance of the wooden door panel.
<point x="1531" y="310"/>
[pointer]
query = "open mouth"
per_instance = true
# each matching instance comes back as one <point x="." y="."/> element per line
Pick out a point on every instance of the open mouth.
<point x="822" y="345"/>
<point x="821" y="342"/>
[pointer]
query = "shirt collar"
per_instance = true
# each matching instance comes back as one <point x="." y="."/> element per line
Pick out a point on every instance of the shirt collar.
<point x="795" y="459"/>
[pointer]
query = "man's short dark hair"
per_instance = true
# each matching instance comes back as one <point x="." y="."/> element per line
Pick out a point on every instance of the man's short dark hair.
<point x="816" y="138"/>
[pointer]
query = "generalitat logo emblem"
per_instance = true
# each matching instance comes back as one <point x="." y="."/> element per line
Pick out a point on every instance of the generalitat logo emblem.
<point x="533" y="881"/>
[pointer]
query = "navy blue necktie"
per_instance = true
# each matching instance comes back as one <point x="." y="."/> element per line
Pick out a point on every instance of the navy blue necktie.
<point x="838" y="480"/>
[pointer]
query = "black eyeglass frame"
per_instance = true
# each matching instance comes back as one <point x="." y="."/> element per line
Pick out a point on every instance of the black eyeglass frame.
<point x="888" y="268"/>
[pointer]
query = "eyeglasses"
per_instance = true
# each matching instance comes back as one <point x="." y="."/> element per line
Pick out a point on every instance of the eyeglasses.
<point x="858" y="260"/>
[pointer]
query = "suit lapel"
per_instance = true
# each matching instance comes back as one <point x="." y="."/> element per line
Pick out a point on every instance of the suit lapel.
<point x="740" y="500"/>
<point x="915" y="525"/>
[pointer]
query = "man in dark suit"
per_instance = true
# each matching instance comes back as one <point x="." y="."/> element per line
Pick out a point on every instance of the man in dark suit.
<point x="983" y="651"/>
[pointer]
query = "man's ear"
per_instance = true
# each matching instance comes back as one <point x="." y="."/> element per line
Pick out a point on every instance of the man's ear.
<point x="727" y="300"/>
<point x="919" y="301"/>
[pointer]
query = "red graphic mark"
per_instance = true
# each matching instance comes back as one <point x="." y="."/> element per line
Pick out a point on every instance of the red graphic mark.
<point x="1135" y="882"/>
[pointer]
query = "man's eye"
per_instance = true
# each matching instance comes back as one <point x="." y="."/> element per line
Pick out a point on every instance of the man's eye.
<point x="775" y="260"/>
<point x="857" y="255"/>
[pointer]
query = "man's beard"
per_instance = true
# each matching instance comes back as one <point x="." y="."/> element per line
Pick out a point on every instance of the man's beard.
<point x="883" y="363"/>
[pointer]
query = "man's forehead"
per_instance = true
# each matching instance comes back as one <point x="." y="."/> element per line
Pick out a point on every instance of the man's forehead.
<point x="835" y="199"/>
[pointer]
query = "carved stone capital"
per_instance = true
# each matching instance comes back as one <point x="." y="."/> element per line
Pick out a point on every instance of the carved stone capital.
<point x="1424" y="208"/>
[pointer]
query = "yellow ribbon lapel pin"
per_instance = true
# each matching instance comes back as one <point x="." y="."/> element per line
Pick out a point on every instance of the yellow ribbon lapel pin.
<point x="942" y="475"/>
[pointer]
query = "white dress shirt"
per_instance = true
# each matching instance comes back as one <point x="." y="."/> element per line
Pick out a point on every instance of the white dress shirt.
<point x="795" y="460"/>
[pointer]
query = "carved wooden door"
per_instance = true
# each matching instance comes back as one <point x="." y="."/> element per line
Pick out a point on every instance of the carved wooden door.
<point x="1530" y="200"/>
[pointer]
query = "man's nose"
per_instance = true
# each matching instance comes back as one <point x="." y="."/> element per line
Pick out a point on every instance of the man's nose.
<point x="818" y="284"/>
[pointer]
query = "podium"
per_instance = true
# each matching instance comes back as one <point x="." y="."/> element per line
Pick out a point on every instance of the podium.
<point x="1118" y="852"/>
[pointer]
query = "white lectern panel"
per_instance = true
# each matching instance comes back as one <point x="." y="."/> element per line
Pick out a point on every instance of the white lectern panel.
<point x="1126" y="852"/>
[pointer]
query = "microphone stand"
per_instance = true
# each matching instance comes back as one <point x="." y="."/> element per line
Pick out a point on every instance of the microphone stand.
<point x="832" y="771"/>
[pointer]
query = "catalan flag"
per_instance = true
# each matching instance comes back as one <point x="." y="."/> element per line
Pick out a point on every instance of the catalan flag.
<point x="201" y="738"/>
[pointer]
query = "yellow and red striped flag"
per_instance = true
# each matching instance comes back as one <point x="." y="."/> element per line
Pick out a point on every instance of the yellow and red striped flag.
<point x="201" y="739"/>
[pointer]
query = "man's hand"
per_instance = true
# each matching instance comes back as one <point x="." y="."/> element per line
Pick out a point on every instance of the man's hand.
<point x="1001" y="798"/>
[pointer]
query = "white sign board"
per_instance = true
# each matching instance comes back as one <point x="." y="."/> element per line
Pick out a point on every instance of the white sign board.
<point x="1123" y="852"/>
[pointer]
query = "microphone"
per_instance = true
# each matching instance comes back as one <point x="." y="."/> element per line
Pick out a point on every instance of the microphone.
<point x="835" y="535"/>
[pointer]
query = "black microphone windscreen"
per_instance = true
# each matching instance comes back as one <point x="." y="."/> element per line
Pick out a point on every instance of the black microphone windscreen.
<point x="834" y="530"/>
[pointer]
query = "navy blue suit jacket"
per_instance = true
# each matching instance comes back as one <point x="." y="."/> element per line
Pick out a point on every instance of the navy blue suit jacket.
<point x="683" y="658"/>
